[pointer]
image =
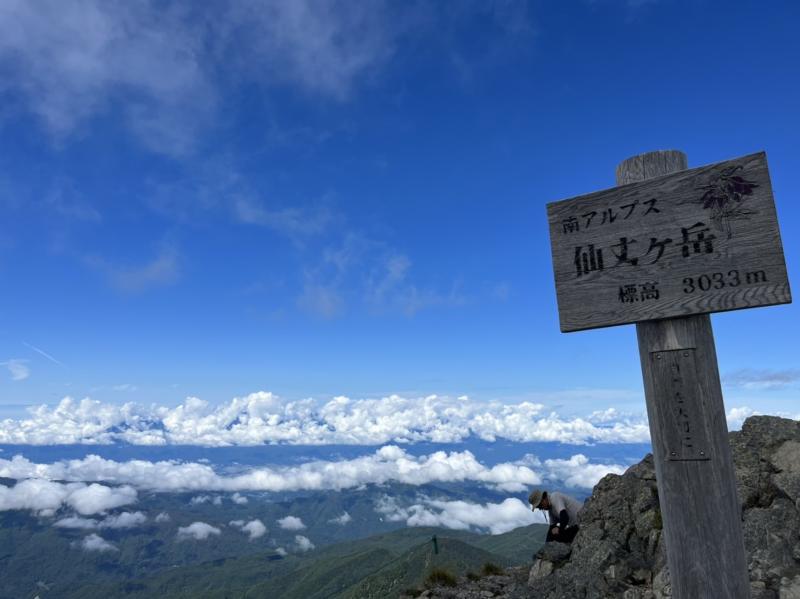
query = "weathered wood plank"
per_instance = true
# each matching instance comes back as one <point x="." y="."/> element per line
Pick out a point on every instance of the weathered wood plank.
<point x="694" y="467"/>
<point x="695" y="241"/>
<point x="699" y="504"/>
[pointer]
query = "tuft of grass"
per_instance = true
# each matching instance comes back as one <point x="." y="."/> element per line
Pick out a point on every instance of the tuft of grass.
<point x="490" y="569"/>
<point x="473" y="577"/>
<point x="441" y="577"/>
<point x="412" y="592"/>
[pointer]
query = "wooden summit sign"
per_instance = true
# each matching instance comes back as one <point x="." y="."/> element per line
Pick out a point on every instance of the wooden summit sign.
<point x="664" y="249"/>
<point x="691" y="242"/>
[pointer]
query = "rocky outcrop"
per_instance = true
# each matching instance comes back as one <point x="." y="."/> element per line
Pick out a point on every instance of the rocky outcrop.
<point x="619" y="551"/>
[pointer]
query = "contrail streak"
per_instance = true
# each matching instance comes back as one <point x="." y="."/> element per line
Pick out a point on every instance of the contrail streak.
<point x="44" y="353"/>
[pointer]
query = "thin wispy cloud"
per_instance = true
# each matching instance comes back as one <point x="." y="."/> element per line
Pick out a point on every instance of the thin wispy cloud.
<point x="41" y="352"/>
<point x="64" y="200"/>
<point x="159" y="66"/>
<point x="217" y="188"/>
<point x="73" y="61"/>
<point x="124" y="387"/>
<point x="357" y="271"/>
<point x="749" y="378"/>
<point x="162" y="270"/>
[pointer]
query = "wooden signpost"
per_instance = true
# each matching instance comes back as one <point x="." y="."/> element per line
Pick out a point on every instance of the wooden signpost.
<point x="664" y="249"/>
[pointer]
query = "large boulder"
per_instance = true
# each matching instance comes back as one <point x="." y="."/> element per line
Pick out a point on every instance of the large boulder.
<point x="619" y="551"/>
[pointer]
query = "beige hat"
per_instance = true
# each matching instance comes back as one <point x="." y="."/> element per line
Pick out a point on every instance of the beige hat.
<point x="535" y="498"/>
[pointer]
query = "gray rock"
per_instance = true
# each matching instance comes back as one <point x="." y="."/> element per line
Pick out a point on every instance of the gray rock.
<point x="554" y="552"/>
<point x="619" y="551"/>
<point x="540" y="569"/>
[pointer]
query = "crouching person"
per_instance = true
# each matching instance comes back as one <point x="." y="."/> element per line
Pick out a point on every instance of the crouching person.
<point x="562" y="511"/>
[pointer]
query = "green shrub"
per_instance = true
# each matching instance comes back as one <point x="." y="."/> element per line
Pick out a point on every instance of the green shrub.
<point x="473" y="577"/>
<point x="440" y="577"/>
<point x="412" y="592"/>
<point x="490" y="569"/>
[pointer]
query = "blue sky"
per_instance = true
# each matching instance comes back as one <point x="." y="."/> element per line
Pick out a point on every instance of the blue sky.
<point x="322" y="199"/>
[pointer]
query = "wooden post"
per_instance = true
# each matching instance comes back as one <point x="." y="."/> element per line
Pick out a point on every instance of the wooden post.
<point x="694" y="467"/>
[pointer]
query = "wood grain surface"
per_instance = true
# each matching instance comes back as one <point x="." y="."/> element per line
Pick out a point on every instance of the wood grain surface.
<point x="695" y="241"/>
<point x="700" y="508"/>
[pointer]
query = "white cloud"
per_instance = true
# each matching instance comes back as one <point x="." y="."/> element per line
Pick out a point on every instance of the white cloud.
<point x="41" y="495"/>
<point x="601" y="416"/>
<point x="162" y="517"/>
<point x="342" y="520"/>
<point x="497" y="518"/>
<point x="239" y="499"/>
<point x="263" y="417"/>
<point x="96" y="498"/>
<point x="157" y="65"/>
<point x="291" y="523"/>
<point x="76" y="522"/>
<point x="254" y="528"/>
<point x="124" y="520"/>
<point x="577" y="472"/>
<point x="281" y="551"/>
<point x="386" y="465"/>
<point x="737" y="416"/>
<point x="37" y="495"/>
<point x="303" y="544"/>
<point x="199" y="499"/>
<point x="198" y="531"/>
<point x="121" y="520"/>
<point x="96" y="543"/>
<point x="18" y="369"/>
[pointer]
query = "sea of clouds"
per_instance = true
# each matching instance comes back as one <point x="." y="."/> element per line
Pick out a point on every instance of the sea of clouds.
<point x="389" y="464"/>
<point x="263" y="417"/>
<point x="95" y="485"/>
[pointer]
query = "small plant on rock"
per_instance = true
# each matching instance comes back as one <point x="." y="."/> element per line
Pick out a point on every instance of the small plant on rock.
<point x="440" y="577"/>
<point x="490" y="569"/>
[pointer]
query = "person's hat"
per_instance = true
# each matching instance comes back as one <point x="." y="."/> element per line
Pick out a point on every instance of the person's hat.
<point x="535" y="498"/>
